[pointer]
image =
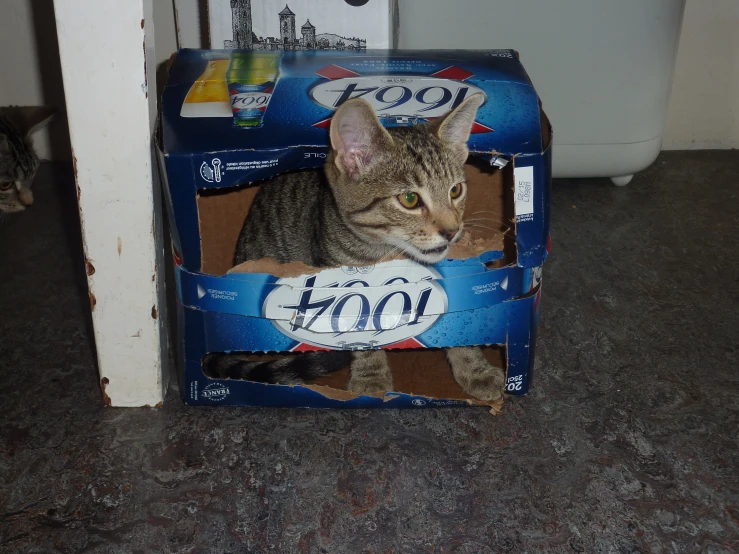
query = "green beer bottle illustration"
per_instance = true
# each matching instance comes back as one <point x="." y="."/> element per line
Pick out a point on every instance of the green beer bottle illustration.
<point x="251" y="78"/>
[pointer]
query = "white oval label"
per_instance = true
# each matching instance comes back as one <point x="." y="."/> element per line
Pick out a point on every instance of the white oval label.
<point x="357" y="308"/>
<point x="397" y="95"/>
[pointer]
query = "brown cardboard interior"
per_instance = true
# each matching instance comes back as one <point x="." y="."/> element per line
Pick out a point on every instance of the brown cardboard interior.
<point x="546" y="129"/>
<point x="489" y="203"/>
<point x="423" y="372"/>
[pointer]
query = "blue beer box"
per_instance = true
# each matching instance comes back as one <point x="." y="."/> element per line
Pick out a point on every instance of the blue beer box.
<point x="486" y="293"/>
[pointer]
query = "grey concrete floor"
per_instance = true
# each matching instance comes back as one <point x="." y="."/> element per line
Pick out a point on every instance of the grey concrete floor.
<point x="628" y="442"/>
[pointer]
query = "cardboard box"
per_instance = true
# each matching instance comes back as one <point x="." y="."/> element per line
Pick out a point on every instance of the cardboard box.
<point x="301" y="24"/>
<point x="486" y="293"/>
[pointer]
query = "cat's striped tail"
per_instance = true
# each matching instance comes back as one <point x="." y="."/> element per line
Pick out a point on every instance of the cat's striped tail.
<point x="290" y="370"/>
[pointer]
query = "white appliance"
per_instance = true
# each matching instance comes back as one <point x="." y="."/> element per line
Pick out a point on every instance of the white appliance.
<point x="603" y="69"/>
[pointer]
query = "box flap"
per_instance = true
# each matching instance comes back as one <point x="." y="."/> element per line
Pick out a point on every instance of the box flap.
<point x="405" y="87"/>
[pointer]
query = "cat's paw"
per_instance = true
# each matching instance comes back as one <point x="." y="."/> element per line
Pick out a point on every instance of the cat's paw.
<point x="486" y="384"/>
<point x="377" y="385"/>
<point x="370" y="373"/>
<point x="475" y="374"/>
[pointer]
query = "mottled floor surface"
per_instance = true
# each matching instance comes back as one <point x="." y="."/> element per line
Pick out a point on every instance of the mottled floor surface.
<point x="628" y="442"/>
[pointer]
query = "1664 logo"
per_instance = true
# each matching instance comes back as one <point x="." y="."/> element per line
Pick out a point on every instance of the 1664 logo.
<point x="250" y="100"/>
<point x="390" y="303"/>
<point x="408" y="96"/>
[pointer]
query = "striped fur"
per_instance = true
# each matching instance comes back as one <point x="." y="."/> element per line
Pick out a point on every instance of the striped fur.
<point x="351" y="214"/>
<point x="18" y="159"/>
<point x="290" y="370"/>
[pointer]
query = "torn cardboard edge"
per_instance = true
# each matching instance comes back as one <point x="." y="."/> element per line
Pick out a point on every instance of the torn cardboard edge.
<point x="496" y="406"/>
<point x="299" y="269"/>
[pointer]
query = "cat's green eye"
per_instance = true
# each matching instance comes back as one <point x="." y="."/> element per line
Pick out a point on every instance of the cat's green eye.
<point x="409" y="200"/>
<point x="5" y="186"/>
<point x="456" y="191"/>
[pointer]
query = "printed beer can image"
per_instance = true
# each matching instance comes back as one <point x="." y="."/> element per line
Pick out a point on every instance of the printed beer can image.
<point x="251" y="79"/>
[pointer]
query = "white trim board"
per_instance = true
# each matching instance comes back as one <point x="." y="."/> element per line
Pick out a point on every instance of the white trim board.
<point x="108" y="65"/>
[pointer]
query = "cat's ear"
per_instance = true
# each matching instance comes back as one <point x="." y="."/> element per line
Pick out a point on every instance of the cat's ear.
<point x="455" y="127"/>
<point x="35" y="118"/>
<point x="357" y="137"/>
<point x="29" y="119"/>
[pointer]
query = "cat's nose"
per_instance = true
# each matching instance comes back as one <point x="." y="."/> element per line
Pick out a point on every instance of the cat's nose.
<point x="26" y="197"/>
<point x="449" y="234"/>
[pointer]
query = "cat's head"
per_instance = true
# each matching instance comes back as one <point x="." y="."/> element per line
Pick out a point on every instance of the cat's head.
<point x="402" y="187"/>
<point x="18" y="159"/>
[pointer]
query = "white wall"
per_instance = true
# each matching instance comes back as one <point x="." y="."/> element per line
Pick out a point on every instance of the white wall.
<point x="704" y="104"/>
<point x="165" y="34"/>
<point x="30" y="71"/>
<point x="29" y="68"/>
<point x="192" y="22"/>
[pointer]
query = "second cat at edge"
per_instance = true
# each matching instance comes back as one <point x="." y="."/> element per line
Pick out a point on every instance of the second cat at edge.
<point x="381" y="191"/>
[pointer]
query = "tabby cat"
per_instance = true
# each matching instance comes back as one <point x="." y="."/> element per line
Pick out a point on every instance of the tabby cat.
<point x="18" y="159"/>
<point x="382" y="191"/>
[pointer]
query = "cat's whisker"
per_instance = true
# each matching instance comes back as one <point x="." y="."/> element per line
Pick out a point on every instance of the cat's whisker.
<point x="485" y="220"/>
<point x="387" y="256"/>
<point x="504" y="230"/>
<point x="478" y="227"/>
<point x="488" y="231"/>
<point x="484" y="212"/>
<point x="490" y="219"/>
<point x="491" y="215"/>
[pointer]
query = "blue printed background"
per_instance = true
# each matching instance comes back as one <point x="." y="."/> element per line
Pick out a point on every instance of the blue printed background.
<point x="512" y="107"/>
